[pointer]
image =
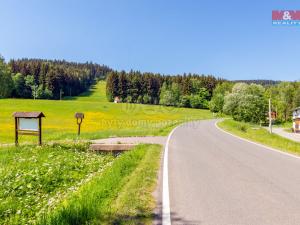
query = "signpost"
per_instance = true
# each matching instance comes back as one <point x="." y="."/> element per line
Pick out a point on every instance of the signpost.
<point x="270" y="116"/>
<point x="28" y="123"/>
<point x="79" y="117"/>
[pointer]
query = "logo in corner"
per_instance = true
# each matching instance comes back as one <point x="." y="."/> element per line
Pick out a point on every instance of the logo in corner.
<point x="286" y="17"/>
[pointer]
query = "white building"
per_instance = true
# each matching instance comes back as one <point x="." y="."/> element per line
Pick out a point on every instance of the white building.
<point x="296" y="120"/>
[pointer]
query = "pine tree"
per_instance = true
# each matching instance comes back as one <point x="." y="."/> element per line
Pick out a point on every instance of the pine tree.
<point x="6" y="82"/>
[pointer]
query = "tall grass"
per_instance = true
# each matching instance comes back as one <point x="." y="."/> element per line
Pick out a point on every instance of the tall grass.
<point x="121" y="195"/>
<point x="33" y="179"/>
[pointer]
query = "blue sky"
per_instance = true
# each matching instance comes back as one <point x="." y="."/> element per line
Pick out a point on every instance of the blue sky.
<point x="230" y="39"/>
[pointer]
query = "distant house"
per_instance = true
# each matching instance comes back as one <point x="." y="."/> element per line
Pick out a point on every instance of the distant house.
<point x="296" y="120"/>
<point x="117" y="99"/>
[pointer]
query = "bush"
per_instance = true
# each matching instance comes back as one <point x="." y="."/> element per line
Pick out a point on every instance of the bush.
<point x="216" y="104"/>
<point x="129" y="99"/>
<point x="146" y="99"/>
<point x="34" y="179"/>
<point x="44" y="93"/>
<point x="167" y="98"/>
<point x="246" y="103"/>
<point x="198" y="102"/>
<point x="185" y="101"/>
<point x="140" y="99"/>
<point x="242" y="127"/>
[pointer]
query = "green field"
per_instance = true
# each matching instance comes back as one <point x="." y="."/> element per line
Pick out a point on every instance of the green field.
<point x="102" y="118"/>
<point x="261" y="135"/>
<point x="63" y="182"/>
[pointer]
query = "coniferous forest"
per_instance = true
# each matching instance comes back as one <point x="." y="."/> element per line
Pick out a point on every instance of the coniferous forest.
<point x="54" y="79"/>
<point x="188" y="90"/>
<point x="48" y="79"/>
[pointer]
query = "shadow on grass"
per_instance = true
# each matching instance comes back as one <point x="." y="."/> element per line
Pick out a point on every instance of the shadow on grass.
<point x="122" y="219"/>
<point x="141" y="219"/>
<point x="86" y="94"/>
<point x="176" y="219"/>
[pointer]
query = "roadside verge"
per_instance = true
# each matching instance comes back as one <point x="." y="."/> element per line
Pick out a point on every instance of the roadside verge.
<point x="259" y="137"/>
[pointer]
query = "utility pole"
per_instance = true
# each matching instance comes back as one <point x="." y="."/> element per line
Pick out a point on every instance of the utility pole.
<point x="60" y="94"/>
<point x="270" y="116"/>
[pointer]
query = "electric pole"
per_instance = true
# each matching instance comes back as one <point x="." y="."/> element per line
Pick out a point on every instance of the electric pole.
<point x="270" y="116"/>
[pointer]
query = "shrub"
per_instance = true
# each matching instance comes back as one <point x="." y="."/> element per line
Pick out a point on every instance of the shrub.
<point x="129" y="99"/>
<point x="217" y="102"/>
<point x="44" y="93"/>
<point x="242" y="127"/>
<point x="146" y="99"/>
<point x="33" y="179"/>
<point x="246" y="103"/>
<point x="140" y="99"/>
<point x="198" y="102"/>
<point x="185" y="101"/>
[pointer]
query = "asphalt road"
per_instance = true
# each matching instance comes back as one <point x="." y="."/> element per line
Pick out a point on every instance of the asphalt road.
<point x="218" y="179"/>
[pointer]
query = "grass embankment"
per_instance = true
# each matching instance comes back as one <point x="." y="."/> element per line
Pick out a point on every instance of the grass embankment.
<point x="33" y="179"/>
<point x="121" y="195"/>
<point x="102" y="118"/>
<point x="65" y="184"/>
<point x="260" y="135"/>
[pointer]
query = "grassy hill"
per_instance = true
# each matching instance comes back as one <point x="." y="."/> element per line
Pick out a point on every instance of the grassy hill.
<point x="102" y="118"/>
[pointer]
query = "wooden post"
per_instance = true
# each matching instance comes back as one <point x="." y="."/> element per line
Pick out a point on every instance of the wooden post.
<point x="79" y="117"/>
<point x="40" y="131"/>
<point x="16" y="132"/>
<point x="79" y="121"/>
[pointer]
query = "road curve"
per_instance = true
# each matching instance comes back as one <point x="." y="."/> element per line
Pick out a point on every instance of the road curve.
<point x="217" y="179"/>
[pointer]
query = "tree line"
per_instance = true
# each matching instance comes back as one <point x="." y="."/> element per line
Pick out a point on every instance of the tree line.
<point x="249" y="102"/>
<point x="244" y="101"/>
<point x="47" y="79"/>
<point x="187" y="90"/>
<point x="260" y="81"/>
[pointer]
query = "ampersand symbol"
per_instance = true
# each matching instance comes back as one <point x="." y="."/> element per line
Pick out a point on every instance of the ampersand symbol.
<point x="286" y="15"/>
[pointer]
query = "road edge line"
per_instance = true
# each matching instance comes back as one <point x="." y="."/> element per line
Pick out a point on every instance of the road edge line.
<point x="255" y="143"/>
<point x="166" y="212"/>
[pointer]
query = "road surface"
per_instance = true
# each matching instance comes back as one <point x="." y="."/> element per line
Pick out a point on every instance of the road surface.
<point x="289" y="135"/>
<point x="217" y="179"/>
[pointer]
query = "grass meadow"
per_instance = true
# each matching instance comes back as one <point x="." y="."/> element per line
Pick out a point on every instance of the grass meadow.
<point x="67" y="184"/>
<point x="62" y="182"/>
<point x="102" y="118"/>
<point x="35" y="179"/>
<point x="121" y="195"/>
<point x="261" y="135"/>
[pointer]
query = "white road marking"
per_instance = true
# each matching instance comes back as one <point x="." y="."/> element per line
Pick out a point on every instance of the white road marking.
<point x="252" y="142"/>
<point x="166" y="212"/>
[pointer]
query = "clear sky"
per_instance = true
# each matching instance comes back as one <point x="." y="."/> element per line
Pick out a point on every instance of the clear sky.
<point x="230" y="39"/>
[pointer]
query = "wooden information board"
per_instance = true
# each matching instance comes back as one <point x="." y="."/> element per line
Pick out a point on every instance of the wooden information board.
<point x="28" y="123"/>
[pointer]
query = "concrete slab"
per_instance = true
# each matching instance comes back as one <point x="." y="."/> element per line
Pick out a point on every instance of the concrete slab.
<point x="133" y="140"/>
<point x="112" y="147"/>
